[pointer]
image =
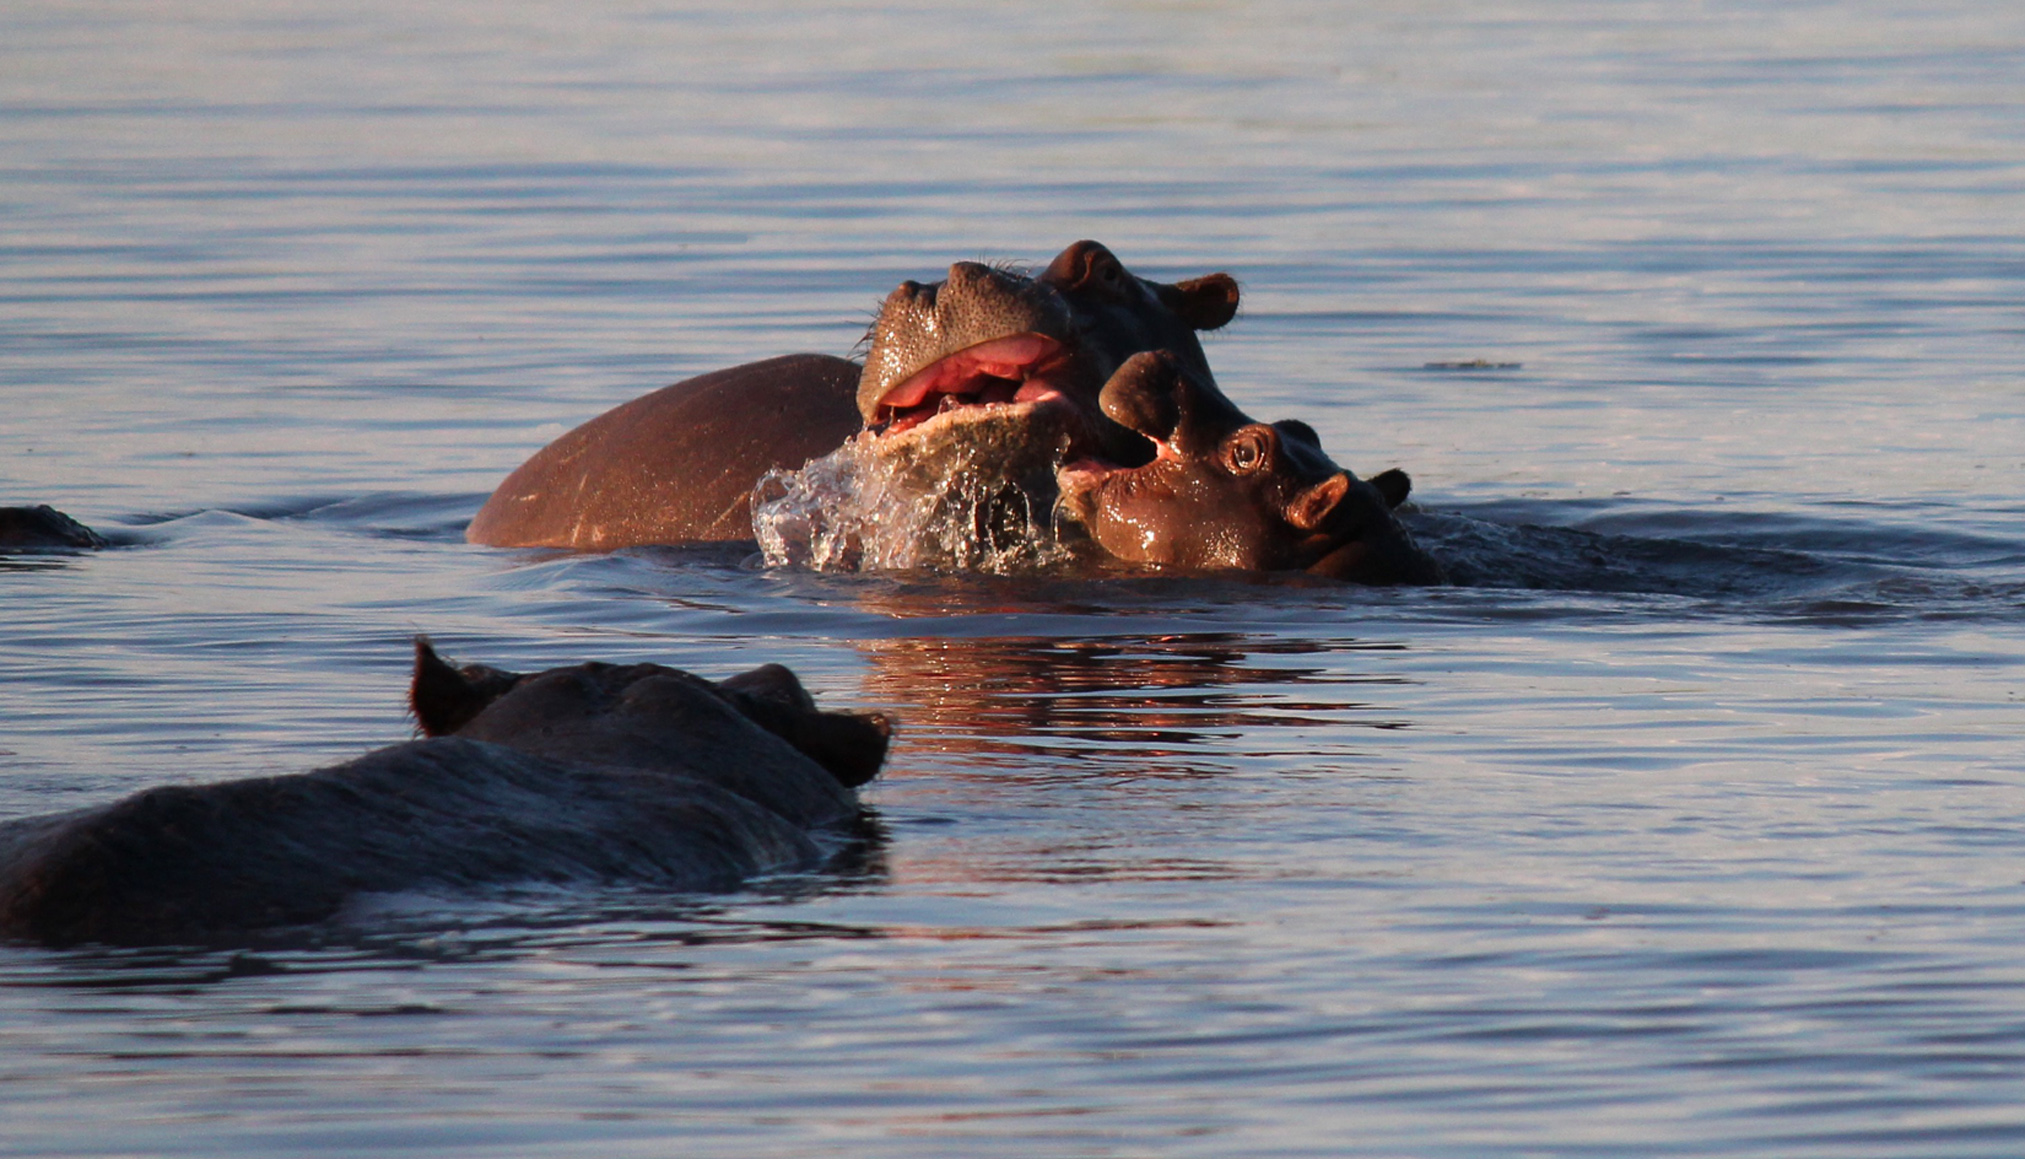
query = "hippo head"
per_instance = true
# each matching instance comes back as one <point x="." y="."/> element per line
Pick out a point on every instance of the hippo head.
<point x="628" y="714"/>
<point x="1222" y="491"/>
<point x="1029" y="354"/>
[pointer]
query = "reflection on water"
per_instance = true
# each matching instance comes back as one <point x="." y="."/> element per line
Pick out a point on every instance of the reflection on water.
<point x="1112" y="703"/>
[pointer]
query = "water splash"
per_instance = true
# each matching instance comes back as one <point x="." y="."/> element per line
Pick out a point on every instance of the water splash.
<point x="983" y="502"/>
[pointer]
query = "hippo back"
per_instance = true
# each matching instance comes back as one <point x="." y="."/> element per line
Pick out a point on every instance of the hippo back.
<point x="677" y="465"/>
<point x="184" y="862"/>
<point x="589" y="772"/>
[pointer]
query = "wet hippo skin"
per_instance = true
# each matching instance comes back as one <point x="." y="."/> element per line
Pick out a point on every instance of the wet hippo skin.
<point x="594" y="772"/>
<point x="987" y="341"/>
<point x="677" y="465"/>
<point x="1224" y="492"/>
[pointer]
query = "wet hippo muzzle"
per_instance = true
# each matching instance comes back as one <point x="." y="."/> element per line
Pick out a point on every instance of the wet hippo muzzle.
<point x="1221" y="491"/>
<point x="988" y="339"/>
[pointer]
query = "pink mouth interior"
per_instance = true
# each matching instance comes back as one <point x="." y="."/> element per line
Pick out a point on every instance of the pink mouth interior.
<point x="1090" y="466"/>
<point x="1089" y="470"/>
<point x="1004" y="370"/>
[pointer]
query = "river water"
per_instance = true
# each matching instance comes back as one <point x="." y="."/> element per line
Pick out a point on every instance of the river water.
<point x="1691" y="823"/>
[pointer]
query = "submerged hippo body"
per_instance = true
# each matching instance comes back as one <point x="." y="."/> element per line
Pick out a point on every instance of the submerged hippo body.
<point x="677" y="465"/>
<point x="1224" y="492"/>
<point x="43" y="527"/>
<point x="997" y="368"/>
<point x="593" y="772"/>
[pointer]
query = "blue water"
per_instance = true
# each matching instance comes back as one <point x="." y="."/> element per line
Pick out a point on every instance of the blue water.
<point x="1690" y="824"/>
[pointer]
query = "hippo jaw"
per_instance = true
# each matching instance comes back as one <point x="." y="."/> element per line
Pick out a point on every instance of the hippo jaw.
<point x="979" y="323"/>
<point x="988" y="336"/>
<point x="981" y="352"/>
<point x="1174" y="508"/>
<point x="1019" y="368"/>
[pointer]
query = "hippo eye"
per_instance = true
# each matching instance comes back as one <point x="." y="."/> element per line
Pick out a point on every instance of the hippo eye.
<point x="1104" y="272"/>
<point x="1247" y="451"/>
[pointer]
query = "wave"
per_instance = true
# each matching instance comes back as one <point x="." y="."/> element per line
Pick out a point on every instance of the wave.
<point x="1783" y="563"/>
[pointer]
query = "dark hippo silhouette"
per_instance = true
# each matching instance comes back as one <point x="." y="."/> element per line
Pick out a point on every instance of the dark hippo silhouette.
<point x="591" y="772"/>
<point x="989" y="359"/>
<point x="41" y="527"/>
<point x="1223" y="491"/>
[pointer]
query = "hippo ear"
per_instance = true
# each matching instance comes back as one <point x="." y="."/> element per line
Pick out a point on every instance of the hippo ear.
<point x="445" y="699"/>
<point x="1394" y="484"/>
<point x="1205" y="303"/>
<point x="1312" y="507"/>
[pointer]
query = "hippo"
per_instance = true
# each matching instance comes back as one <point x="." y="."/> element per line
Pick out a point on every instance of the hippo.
<point x="975" y="389"/>
<point x="1224" y="492"/>
<point x="594" y="772"/>
<point x="1001" y="367"/>
<point x="43" y="527"/>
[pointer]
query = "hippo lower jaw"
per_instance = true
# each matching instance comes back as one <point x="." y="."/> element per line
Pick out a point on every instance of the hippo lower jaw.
<point x="1085" y="488"/>
<point x="1047" y="423"/>
<point x="1016" y="368"/>
<point x="1081" y="481"/>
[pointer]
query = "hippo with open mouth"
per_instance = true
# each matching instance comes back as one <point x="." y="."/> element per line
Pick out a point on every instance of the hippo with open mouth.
<point x="975" y="389"/>
<point x="987" y="341"/>
<point x="996" y="367"/>
<point x="1223" y="492"/>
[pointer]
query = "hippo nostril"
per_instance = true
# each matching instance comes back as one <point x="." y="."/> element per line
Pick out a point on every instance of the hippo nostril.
<point x="911" y="294"/>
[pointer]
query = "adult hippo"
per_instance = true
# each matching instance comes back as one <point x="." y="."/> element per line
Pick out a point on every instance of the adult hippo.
<point x="586" y="773"/>
<point x="1224" y="492"/>
<point x="1003" y="365"/>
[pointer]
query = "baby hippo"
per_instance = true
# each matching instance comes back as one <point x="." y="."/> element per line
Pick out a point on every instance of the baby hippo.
<point x="1225" y="492"/>
<point x="595" y="772"/>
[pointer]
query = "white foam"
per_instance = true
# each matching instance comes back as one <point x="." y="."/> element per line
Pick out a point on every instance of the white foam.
<point x="869" y="508"/>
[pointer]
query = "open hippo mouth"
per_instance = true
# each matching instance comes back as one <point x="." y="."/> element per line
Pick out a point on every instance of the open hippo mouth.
<point x="989" y="349"/>
<point x="1017" y="369"/>
<point x="1136" y="406"/>
<point x="1078" y="477"/>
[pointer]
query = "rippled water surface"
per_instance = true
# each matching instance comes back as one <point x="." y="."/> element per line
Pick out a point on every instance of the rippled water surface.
<point x="1690" y="822"/>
